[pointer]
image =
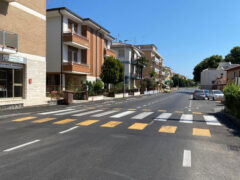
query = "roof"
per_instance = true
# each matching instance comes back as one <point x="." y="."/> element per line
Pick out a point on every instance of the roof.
<point x="147" y="45"/>
<point x="233" y="68"/>
<point x="119" y="44"/>
<point x="84" y="19"/>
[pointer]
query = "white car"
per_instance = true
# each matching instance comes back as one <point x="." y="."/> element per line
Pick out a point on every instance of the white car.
<point x="216" y="95"/>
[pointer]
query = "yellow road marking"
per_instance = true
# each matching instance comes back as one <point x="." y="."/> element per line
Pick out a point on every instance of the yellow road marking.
<point x="201" y="132"/>
<point x="146" y="110"/>
<point x="24" y="119"/>
<point x="138" y="126"/>
<point x="91" y="108"/>
<point x="162" y="110"/>
<point x="168" y="129"/>
<point x="196" y="112"/>
<point x="44" y="120"/>
<point x="131" y="109"/>
<point x="87" y="123"/>
<point x="116" y="108"/>
<point x="179" y="112"/>
<point x="65" y="121"/>
<point x="111" y="124"/>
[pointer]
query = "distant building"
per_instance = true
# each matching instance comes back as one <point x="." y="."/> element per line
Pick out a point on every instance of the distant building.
<point x="167" y="75"/>
<point x="233" y="75"/>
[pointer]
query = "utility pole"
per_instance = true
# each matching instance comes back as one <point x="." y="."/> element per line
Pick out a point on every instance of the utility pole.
<point x="124" y="81"/>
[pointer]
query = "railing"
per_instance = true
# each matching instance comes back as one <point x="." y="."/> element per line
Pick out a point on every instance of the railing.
<point x="79" y="39"/>
<point x="8" y="40"/>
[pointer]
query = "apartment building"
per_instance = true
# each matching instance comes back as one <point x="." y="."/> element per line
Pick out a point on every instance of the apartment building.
<point x="76" y="48"/>
<point x="22" y="52"/>
<point x="155" y="61"/>
<point x="128" y="54"/>
<point x="167" y="75"/>
<point x="233" y="75"/>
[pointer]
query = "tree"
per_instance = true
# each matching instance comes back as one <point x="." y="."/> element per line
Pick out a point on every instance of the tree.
<point x="210" y="62"/>
<point x="152" y="74"/>
<point x="141" y="63"/>
<point x="233" y="56"/>
<point x="112" y="71"/>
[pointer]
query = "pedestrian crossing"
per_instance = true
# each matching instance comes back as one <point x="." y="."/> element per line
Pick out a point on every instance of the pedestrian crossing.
<point x="117" y="113"/>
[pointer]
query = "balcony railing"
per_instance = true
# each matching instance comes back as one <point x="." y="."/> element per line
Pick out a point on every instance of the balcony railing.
<point x="8" y="42"/>
<point x="75" y="67"/>
<point x="76" y="40"/>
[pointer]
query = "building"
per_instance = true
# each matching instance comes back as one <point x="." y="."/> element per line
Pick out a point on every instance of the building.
<point x="155" y="61"/>
<point x="214" y="78"/>
<point x="233" y="75"/>
<point x="128" y="54"/>
<point x="22" y="52"/>
<point x="167" y="75"/>
<point x="76" y="48"/>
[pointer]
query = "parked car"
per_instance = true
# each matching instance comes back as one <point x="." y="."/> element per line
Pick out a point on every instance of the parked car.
<point x="206" y="93"/>
<point x="199" y="94"/>
<point x="216" y="95"/>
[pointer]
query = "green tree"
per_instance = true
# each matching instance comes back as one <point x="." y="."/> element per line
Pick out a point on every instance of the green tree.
<point x="152" y="74"/>
<point x="233" y="56"/>
<point x="141" y="63"/>
<point x="210" y="62"/>
<point x="112" y="71"/>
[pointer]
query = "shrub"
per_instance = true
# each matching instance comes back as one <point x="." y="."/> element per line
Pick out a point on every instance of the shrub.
<point x="232" y="99"/>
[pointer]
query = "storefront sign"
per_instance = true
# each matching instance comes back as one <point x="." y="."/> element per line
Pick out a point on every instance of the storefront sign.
<point x="15" y="59"/>
<point x="10" y="66"/>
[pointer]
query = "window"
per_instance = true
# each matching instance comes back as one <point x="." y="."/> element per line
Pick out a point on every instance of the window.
<point x="72" y="54"/>
<point x="234" y="74"/>
<point x="72" y="26"/>
<point x="121" y="52"/>
<point x="84" y="57"/>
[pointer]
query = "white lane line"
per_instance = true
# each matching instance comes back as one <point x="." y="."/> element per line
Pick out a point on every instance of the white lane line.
<point x="187" y="158"/>
<point x="53" y="112"/>
<point x="104" y="114"/>
<point x="186" y="118"/>
<point x="163" y="117"/>
<point x="71" y="112"/>
<point x="22" y="145"/>
<point x="86" y="113"/>
<point x="62" y="132"/>
<point x="211" y="120"/>
<point x="190" y="103"/>
<point x="142" y="115"/>
<point x="122" y="114"/>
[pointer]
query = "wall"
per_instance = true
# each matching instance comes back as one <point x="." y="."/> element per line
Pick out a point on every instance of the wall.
<point x="208" y="76"/>
<point x="230" y="74"/>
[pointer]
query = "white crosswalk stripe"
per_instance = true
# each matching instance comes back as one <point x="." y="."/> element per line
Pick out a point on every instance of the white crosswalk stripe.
<point x="163" y="117"/>
<point x="186" y="118"/>
<point x="58" y="111"/>
<point x="125" y="113"/>
<point x="87" y="113"/>
<point x="211" y="120"/>
<point x="142" y="115"/>
<point x="104" y="114"/>
<point x="71" y="112"/>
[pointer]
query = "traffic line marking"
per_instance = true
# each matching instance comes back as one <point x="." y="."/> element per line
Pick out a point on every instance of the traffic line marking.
<point x="65" y="121"/>
<point x="211" y="120"/>
<point x="146" y="110"/>
<point x="163" y="117"/>
<point x="91" y="108"/>
<point x="138" y="126"/>
<point x="23" y="119"/>
<point x="87" y="113"/>
<point x="63" y="132"/>
<point x="187" y="158"/>
<point x="142" y="115"/>
<point x="43" y="120"/>
<point x="22" y="145"/>
<point x="87" y="123"/>
<point x="132" y="109"/>
<point x="179" y="112"/>
<point x="71" y="112"/>
<point x="201" y="132"/>
<point x="103" y="114"/>
<point x="168" y="129"/>
<point x="162" y="110"/>
<point x="122" y="114"/>
<point x="186" y="118"/>
<point x="53" y="112"/>
<point x="196" y="112"/>
<point x="111" y="124"/>
<point x="117" y="109"/>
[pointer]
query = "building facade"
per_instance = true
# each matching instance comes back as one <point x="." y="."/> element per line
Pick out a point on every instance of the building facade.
<point x="128" y="55"/>
<point x="22" y="52"/>
<point x="155" y="62"/>
<point x="233" y="75"/>
<point x="76" y="48"/>
<point x="167" y="75"/>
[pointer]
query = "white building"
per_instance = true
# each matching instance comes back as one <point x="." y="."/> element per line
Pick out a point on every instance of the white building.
<point x="128" y="54"/>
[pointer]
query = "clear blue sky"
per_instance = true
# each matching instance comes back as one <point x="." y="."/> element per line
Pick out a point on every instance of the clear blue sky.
<point x="185" y="31"/>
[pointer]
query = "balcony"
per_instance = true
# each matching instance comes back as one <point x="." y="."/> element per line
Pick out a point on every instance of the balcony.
<point x="109" y="52"/>
<point x="8" y="42"/>
<point x="76" y="68"/>
<point x="76" y="40"/>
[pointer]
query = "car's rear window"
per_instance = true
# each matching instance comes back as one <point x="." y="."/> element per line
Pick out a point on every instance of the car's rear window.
<point x="199" y="92"/>
<point x="217" y="92"/>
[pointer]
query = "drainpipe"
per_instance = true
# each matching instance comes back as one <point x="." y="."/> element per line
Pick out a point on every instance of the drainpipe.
<point x="97" y="51"/>
<point x="61" y="78"/>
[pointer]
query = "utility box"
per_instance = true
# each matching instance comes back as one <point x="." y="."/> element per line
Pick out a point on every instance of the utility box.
<point x="68" y="97"/>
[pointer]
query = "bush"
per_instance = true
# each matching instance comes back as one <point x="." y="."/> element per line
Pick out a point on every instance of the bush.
<point x="232" y="99"/>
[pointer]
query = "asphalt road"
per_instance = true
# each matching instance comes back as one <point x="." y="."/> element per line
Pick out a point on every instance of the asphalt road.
<point x="164" y="136"/>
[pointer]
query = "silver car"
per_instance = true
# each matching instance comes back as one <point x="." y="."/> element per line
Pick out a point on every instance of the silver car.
<point x="199" y="94"/>
<point x="216" y="95"/>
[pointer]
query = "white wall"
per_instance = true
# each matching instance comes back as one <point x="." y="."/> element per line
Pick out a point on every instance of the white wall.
<point x="65" y="53"/>
<point x="65" y="24"/>
<point x="207" y="76"/>
<point x="53" y="56"/>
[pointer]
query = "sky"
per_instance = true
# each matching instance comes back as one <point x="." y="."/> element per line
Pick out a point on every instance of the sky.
<point x="185" y="31"/>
